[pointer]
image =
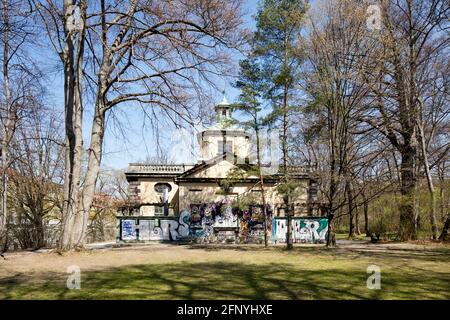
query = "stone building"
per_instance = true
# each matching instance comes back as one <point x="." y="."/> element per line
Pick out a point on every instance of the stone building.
<point x="222" y="177"/>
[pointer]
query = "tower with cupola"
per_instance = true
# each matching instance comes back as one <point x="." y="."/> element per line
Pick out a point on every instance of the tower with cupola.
<point x="225" y="136"/>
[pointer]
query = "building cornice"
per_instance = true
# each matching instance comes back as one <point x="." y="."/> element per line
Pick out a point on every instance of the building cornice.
<point x="156" y="170"/>
<point x="225" y="131"/>
<point x="183" y="171"/>
<point x="267" y="179"/>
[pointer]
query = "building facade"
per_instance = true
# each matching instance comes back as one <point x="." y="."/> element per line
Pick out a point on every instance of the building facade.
<point x="219" y="197"/>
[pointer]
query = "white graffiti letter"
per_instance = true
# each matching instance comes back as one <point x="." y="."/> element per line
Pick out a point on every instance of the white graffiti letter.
<point x="74" y="280"/>
<point x="374" y="280"/>
<point x="183" y="228"/>
<point x="374" y="20"/>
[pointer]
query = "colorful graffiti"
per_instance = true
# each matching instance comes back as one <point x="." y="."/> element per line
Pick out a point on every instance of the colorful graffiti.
<point x="226" y="218"/>
<point x="279" y="230"/>
<point x="213" y="222"/>
<point x="156" y="229"/>
<point x="218" y="215"/>
<point x="252" y="224"/>
<point x="203" y="223"/>
<point x="304" y="229"/>
<point x="128" y="230"/>
<point x="218" y="222"/>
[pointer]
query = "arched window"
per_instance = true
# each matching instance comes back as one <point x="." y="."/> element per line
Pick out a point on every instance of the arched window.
<point x="163" y="187"/>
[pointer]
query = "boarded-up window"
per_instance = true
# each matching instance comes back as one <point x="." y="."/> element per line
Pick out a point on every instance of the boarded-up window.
<point x="223" y="147"/>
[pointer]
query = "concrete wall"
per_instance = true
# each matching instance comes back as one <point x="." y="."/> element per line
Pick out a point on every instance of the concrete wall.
<point x="194" y="193"/>
<point x="148" y="197"/>
<point x="217" y="171"/>
<point x="209" y="145"/>
<point x="186" y="193"/>
<point x="304" y="229"/>
<point x="135" y="229"/>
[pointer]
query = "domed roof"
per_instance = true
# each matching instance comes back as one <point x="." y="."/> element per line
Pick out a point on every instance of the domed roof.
<point x="224" y="101"/>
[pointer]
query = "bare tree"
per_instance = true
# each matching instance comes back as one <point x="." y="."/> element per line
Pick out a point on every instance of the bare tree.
<point x="413" y="35"/>
<point x="336" y="51"/>
<point x="154" y="53"/>
<point x="110" y="194"/>
<point x="36" y="177"/>
<point x="20" y="78"/>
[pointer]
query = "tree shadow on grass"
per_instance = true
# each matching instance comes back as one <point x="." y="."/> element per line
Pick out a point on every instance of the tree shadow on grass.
<point x="220" y="280"/>
<point x="428" y="254"/>
<point x="369" y="251"/>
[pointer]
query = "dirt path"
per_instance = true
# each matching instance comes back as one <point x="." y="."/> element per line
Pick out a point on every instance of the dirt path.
<point x="95" y="259"/>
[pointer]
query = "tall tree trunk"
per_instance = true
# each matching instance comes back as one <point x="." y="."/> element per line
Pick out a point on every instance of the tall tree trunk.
<point x="94" y="155"/>
<point x="73" y="77"/>
<point x="289" y="243"/>
<point x="441" y="199"/>
<point x="6" y="127"/>
<point x="445" y="229"/>
<point x="332" y="189"/>
<point x="408" y="230"/>
<point x="333" y="183"/>
<point x="357" y="228"/>
<point x="351" y="229"/>
<point x="366" y="218"/>
<point x="88" y="191"/>
<point x="330" y="214"/>
<point x="261" y="180"/>
<point x="331" y="240"/>
<point x="434" y="228"/>
<point x="73" y="157"/>
<point x="40" y="233"/>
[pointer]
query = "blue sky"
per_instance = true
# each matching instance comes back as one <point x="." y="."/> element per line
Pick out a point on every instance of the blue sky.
<point x="135" y="140"/>
<point x="141" y="143"/>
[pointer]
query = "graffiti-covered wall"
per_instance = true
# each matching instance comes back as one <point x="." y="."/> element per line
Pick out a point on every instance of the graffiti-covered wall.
<point x="304" y="229"/>
<point x="138" y="229"/>
<point x="220" y="222"/>
<point x="252" y="224"/>
<point x="210" y="222"/>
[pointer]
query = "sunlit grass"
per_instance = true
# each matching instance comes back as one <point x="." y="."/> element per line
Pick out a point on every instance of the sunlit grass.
<point x="252" y="273"/>
<point x="344" y="236"/>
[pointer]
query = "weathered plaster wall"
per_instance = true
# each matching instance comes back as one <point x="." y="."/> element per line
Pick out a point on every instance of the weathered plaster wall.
<point x="143" y="191"/>
<point x="209" y="146"/>
<point x="219" y="170"/>
<point x="186" y="193"/>
<point x="191" y="193"/>
<point x="248" y="227"/>
<point x="149" y="195"/>
<point x="149" y="210"/>
<point x="304" y="230"/>
<point x="299" y="198"/>
<point x="211" y="222"/>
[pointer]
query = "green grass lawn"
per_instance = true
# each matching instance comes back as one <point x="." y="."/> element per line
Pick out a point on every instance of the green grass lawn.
<point x="344" y="236"/>
<point x="188" y="272"/>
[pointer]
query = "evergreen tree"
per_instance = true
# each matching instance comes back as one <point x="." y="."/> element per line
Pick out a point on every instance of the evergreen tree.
<point x="252" y="87"/>
<point x="277" y="47"/>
